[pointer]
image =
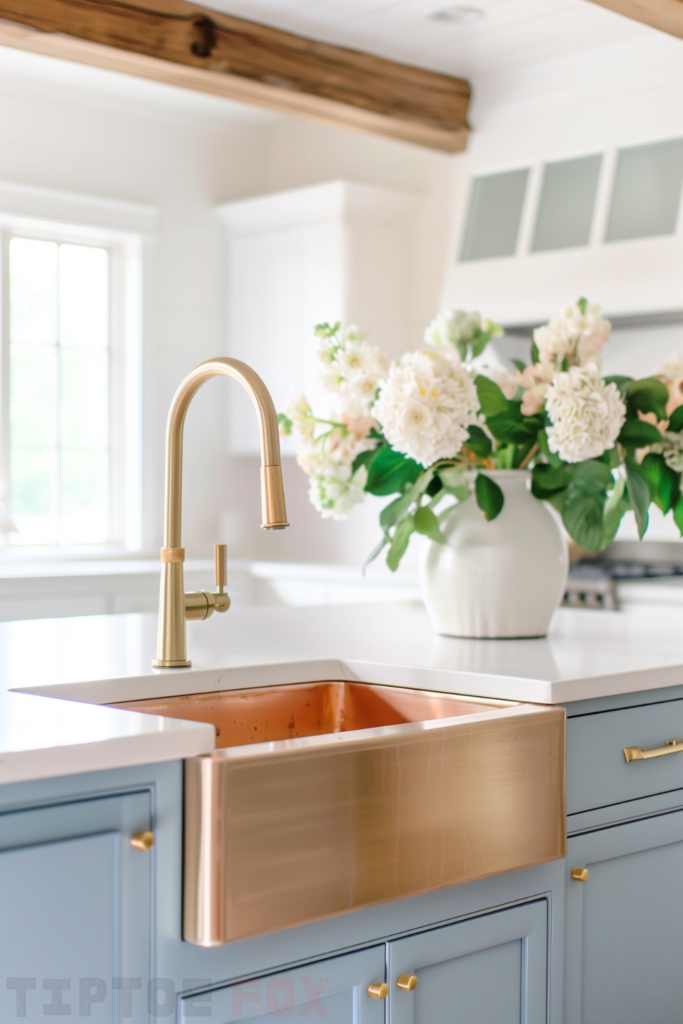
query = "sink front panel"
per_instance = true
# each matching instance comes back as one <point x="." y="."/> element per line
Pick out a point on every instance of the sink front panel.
<point x="281" y="834"/>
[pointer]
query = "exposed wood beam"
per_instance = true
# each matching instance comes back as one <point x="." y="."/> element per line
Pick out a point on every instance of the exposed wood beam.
<point x="666" y="15"/>
<point x="187" y="45"/>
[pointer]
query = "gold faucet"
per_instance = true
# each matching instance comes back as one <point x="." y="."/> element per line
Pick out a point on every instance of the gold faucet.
<point x="175" y="606"/>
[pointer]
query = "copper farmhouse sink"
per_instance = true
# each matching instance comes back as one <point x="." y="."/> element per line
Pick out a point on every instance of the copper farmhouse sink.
<point x="325" y="797"/>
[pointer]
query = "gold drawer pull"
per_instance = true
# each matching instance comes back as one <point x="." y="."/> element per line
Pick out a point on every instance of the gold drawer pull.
<point x="142" y="841"/>
<point x="378" y="991"/>
<point x="636" y="754"/>
<point x="407" y="982"/>
<point x="580" y="874"/>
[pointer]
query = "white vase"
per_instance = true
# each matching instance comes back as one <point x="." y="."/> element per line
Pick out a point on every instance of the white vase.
<point x="503" y="578"/>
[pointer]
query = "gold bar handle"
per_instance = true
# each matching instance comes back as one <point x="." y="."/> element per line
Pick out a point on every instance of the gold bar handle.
<point x="636" y="754"/>
<point x="378" y="990"/>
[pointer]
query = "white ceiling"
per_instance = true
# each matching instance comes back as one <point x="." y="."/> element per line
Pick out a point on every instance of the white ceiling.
<point x="512" y="35"/>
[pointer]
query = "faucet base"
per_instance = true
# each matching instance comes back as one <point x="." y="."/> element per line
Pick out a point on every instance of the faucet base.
<point x="171" y="664"/>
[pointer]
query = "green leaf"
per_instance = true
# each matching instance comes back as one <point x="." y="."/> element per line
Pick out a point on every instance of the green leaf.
<point x="397" y="508"/>
<point x="616" y="505"/>
<point x="285" y="423"/>
<point x="592" y="475"/>
<point x="427" y="523"/>
<point x="364" y="459"/>
<point x="534" y="352"/>
<point x="400" y="541"/>
<point x="639" y="496"/>
<point x="582" y="516"/>
<point x="505" y="456"/>
<point x="489" y="496"/>
<point x="664" y="482"/>
<point x="620" y="382"/>
<point x="377" y="550"/>
<point x="519" y="364"/>
<point x="511" y="426"/>
<point x="678" y="515"/>
<point x="491" y="398"/>
<point x="647" y="395"/>
<point x="547" y="479"/>
<point x="390" y="472"/>
<point x="676" y="420"/>
<point x="582" y="303"/>
<point x="638" y="434"/>
<point x="479" y="442"/>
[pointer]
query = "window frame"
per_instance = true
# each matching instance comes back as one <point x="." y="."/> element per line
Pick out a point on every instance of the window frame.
<point x="125" y="381"/>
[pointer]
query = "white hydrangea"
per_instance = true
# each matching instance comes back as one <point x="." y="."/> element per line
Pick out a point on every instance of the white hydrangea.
<point x="671" y="447"/>
<point x="335" y="493"/>
<point x="453" y="326"/>
<point x="573" y="335"/>
<point x="586" y="414"/>
<point x="425" y="406"/>
<point x="352" y="369"/>
<point x="301" y="416"/>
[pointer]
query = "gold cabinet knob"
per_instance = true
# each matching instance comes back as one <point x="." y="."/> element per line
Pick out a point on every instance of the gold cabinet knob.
<point x="407" y="982"/>
<point x="378" y="991"/>
<point x="580" y="874"/>
<point x="142" y="841"/>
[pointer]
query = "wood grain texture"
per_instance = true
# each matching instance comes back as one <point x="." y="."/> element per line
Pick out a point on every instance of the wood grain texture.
<point x="184" y="44"/>
<point x="666" y="15"/>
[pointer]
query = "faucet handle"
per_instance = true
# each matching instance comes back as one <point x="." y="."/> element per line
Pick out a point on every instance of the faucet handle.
<point x="221" y="556"/>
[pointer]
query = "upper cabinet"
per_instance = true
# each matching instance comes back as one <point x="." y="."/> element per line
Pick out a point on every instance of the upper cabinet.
<point x="603" y="224"/>
<point x="337" y="251"/>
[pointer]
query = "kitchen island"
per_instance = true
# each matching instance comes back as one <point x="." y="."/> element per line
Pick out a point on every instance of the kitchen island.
<point x="92" y="925"/>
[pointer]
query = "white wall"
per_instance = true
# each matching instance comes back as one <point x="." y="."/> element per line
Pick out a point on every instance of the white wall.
<point x="86" y="131"/>
<point x="82" y="130"/>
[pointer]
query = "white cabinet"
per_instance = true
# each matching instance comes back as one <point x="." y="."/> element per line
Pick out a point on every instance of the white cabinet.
<point x="337" y="251"/>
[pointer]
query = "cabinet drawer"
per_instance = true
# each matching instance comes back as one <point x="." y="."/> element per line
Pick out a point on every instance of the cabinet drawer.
<point x="597" y="771"/>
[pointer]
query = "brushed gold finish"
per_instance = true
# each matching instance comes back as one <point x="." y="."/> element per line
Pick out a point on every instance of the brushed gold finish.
<point x="142" y="841"/>
<point x="378" y="990"/>
<point x="171" y="642"/>
<point x="173" y="554"/>
<point x="580" y="874"/>
<point x="221" y="567"/>
<point x="636" y="754"/>
<point x="333" y="796"/>
<point x="407" y="982"/>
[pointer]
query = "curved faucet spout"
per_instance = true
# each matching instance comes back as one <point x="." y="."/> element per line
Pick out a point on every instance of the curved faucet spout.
<point x="171" y="645"/>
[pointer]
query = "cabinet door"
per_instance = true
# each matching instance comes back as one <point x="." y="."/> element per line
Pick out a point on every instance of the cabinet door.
<point x="334" y="989"/>
<point x="488" y="970"/>
<point x="623" y="948"/>
<point x="75" y="911"/>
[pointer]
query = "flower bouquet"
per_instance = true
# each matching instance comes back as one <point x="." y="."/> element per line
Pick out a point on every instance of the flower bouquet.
<point x="436" y="425"/>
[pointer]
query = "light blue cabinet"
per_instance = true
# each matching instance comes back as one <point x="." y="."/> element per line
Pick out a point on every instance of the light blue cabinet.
<point x="76" y="912"/>
<point x="623" y="947"/>
<point x="492" y="969"/>
<point x="334" y="989"/>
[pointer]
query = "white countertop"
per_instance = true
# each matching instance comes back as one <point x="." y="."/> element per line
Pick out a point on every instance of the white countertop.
<point x="104" y="659"/>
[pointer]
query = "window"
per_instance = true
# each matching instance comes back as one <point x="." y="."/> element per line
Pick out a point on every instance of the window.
<point x="565" y="209"/>
<point x="647" y="191"/>
<point x="66" y="401"/>
<point x="494" y="215"/>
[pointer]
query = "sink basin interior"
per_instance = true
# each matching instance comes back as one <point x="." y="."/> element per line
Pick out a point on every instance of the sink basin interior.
<point x="269" y="713"/>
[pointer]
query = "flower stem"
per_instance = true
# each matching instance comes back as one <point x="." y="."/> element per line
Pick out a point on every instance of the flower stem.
<point x="528" y="457"/>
